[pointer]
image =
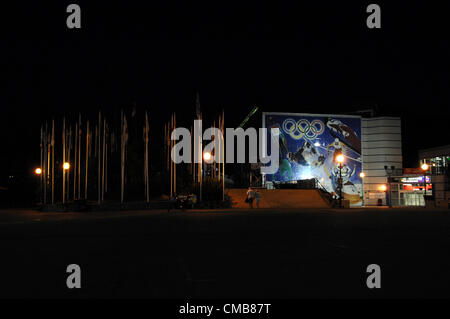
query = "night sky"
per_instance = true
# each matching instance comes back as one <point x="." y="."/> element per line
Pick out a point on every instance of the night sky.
<point x="286" y="57"/>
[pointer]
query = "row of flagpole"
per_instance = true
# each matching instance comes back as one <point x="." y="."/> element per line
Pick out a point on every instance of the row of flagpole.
<point x="196" y="169"/>
<point x="104" y="144"/>
<point x="101" y="149"/>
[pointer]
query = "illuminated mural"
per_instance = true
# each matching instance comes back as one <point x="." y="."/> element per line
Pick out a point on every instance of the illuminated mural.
<point x="309" y="145"/>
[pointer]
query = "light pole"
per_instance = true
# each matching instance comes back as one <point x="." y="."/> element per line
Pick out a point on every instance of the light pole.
<point x="362" y="175"/>
<point x="340" y="160"/>
<point x="390" y="172"/>
<point x="66" y="166"/>
<point x="424" y="168"/>
<point x="38" y="172"/>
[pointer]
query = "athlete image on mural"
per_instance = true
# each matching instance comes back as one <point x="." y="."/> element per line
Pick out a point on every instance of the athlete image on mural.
<point x="309" y="144"/>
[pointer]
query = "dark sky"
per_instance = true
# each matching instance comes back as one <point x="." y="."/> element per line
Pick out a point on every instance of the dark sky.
<point x="281" y="56"/>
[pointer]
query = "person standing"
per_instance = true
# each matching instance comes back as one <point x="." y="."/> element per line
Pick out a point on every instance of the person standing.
<point x="250" y="197"/>
<point x="257" y="198"/>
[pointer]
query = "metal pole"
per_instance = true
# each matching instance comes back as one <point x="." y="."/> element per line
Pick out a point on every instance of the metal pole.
<point x="75" y="168"/>
<point x="175" y="155"/>
<point x="41" y="181"/>
<point x="103" y="159"/>
<point x="79" y="156"/>
<point x="64" y="160"/>
<point x="223" y="156"/>
<point x="87" y="162"/>
<point x="53" y="161"/>
<point x="46" y="160"/>
<point x="99" y="166"/>
<point x="340" y="185"/>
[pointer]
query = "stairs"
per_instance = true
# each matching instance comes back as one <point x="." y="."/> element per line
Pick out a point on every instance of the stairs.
<point x="281" y="198"/>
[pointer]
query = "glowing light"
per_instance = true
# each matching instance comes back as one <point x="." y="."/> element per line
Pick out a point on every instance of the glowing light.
<point x="362" y="175"/>
<point x="38" y="171"/>
<point x="316" y="144"/>
<point x="340" y="158"/>
<point x="383" y="188"/>
<point x="66" y="166"/>
<point x="206" y="156"/>
<point x="424" y="167"/>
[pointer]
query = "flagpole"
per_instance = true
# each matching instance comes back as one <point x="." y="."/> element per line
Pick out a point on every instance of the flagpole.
<point x="170" y="161"/>
<point x="79" y="155"/>
<point x="220" y="149"/>
<point x="106" y="160"/>
<point x="99" y="169"/>
<point x="147" y="157"/>
<point x="69" y="147"/>
<point x="200" y="168"/>
<point x="103" y="159"/>
<point x="124" y="128"/>
<point x="87" y="162"/>
<point x="64" y="160"/>
<point x="45" y="171"/>
<point x="175" y="158"/>
<point x="223" y="156"/>
<point x="41" y="167"/>
<point x="53" y="161"/>
<point x="75" y="163"/>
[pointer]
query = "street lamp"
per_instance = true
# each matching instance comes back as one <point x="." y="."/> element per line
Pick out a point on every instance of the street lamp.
<point x="362" y="175"/>
<point x="340" y="160"/>
<point x="38" y="173"/>
<point x="424" y="168"/>
<point x="206" y="156"/>
<point x="66" y="166"/>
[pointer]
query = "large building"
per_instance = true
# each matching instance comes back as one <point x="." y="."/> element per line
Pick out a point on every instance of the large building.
<point x="310" y="143"/>
<point x="382" y="156"/>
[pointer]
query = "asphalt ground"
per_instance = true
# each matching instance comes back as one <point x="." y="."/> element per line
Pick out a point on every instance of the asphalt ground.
<point x="226" y="253"/>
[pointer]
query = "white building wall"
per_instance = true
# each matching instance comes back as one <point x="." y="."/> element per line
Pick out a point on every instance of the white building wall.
<point x="381" y="146"/>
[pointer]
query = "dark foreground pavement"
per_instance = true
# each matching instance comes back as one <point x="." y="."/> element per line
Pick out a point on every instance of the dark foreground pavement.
<point x="226" y="253"/>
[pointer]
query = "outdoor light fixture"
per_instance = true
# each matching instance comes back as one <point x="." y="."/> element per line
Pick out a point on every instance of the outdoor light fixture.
<point x="383" y="188"/>
<point x="362" y="175"/>
<point x="38" y="171"/>
<point x="340" y="158"/>
<point x="425" y="168"/>
<point x="66" y="166"/>
<point x="316" y="144"/>
<point x="206" y="156"/>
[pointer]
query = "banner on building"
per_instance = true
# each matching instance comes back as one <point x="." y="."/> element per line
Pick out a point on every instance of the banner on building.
<point x="309" y="144"/>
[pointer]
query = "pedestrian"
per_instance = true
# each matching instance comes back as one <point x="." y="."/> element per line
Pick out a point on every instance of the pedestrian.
<point x="250" y="197"/>
<point x="257" y="198"/>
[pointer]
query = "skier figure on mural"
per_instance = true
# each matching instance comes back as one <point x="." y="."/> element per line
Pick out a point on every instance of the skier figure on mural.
<point x="338" y="146"/>
<point x="285" y="168"/>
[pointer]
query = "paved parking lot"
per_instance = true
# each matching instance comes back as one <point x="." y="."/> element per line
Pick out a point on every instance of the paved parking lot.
<point x="227" y="253"/>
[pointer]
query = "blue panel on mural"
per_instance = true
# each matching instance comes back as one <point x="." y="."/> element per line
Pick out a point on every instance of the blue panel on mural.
<point x="309" y="145"/>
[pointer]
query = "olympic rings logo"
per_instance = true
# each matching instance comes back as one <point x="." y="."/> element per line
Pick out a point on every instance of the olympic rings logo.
<point x="303" y="128"/>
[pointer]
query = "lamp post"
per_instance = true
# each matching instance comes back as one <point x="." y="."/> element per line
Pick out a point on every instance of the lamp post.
<point x="390" y="173"/>
<point x="424" y="168"/>
<point x="362" y="175"/>
<point x="38" y="173"/>
<point x="66" y="166"/>
<point x="340" y="160"/>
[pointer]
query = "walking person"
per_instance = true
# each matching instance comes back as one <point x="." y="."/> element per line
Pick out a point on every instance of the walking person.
<point x="250" y="197"/>
<point x="257" y="198"/>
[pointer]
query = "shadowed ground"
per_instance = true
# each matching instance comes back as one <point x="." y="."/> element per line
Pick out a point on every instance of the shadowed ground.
<point x="226" y="253"/>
